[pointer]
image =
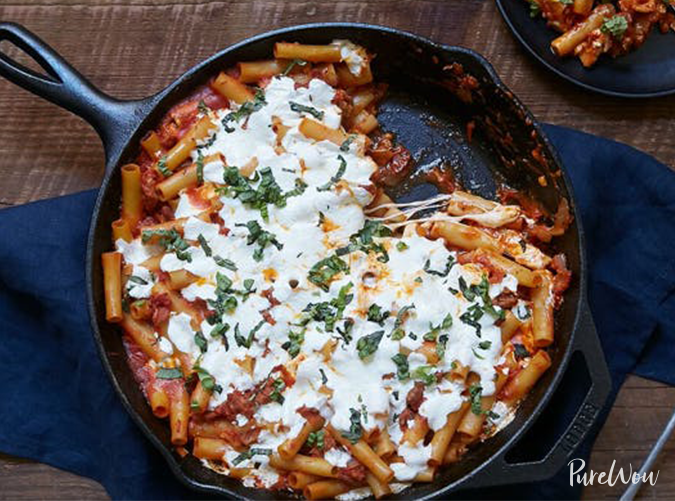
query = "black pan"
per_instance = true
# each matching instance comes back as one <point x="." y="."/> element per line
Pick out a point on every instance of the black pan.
<point x="424" y="111"/>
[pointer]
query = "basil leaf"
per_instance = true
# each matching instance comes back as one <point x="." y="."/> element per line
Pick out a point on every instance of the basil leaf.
<point x="169" y="374"/>
<point x="338" y="175"/>
<point x="368" y="344"/>
<point x="301" y="108"/>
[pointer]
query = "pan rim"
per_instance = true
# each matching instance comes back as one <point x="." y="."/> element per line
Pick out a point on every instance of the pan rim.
<point x="156" y="101"/>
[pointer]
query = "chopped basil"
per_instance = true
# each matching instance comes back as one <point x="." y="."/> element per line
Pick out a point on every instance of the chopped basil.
<point x="325" y="270"/>
<point x="170" y="240"/>
<point x="301" y="108"/>
<point x="200" y="167"/>
<point x="294" y="343"/>
<point x="475" y="394"/>
<point x="248" y="340"/>
<point x="363" y="240"/>
<point x="225" y="263"/>
<point x="294" y="63"/>
<point x="329" y="312"/>
<point x="355" y="430"/>
<point x="346" y="330"/>
<point x="444" y="273"/>
<point x="225" y="301"/>
<point x="402" y="366"/>
<point x="278" y="386"/>
<point x="220" y="330"/>
<point x="324" y="378"/>
<point x="200" y="341"/>
<point x="535" y="10"/>
<point x="368" y="344"/>
<point x="207" y="380"/>
<point x="338" y="175"/>
<point x="485" y="345"/>
<point x="467" y="292"/>
<point x="477" y="355"/>
<point x="253" y="451"/>
<point x="205" y="246"/>
<point x="434" y="331"/>
<point x="424" y="374"/>
<point x="268" y="192"/>
<point x="398" y="333"/>
<point x="471" y="317"/>
<point x="441" y="343"/>
<point x="202" y="107"/>
<point x="615" y="26"/>
<point x="375" y="314"/>
<point x="169" y="374"/>
<point x="263" y="238"/>
<point x="347" y="142"/>
<point x="401" y="246"/>
<point x="245" y="110"/>
<point x="162" y="168"/>
<point x="316" y="439"/>
<point x="137" y="280"/>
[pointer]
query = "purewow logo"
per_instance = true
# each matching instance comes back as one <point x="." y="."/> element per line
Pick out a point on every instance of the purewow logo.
<point x="609" y="478"/>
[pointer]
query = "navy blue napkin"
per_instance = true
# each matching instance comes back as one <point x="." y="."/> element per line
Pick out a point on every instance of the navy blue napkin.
<point x="59" y="407"/>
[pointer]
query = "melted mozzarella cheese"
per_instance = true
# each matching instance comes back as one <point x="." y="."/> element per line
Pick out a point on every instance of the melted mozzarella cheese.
<point x="141" y="287"/>
<point x="421" y="275"/>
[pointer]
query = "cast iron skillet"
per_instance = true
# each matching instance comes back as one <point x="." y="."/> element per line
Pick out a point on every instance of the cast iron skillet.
<point x="424" y="112"/>
<point x="646" y="72"/>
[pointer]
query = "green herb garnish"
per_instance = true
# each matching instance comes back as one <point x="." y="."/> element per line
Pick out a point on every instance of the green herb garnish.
<point x="169" y="374"/>
<point x="294" y="343"/>
<point x="441" y="273"/>
<point x="200" y="341"/>
<point x="253" y="451"/>
<point x="162" y="168"/>
<point x="316" y="439"/>
<point x="338" y="175"/>
<point x="375" y="314"/>
<point x="615" y="26"/>
<point x="263" y="238"/>
<point x="170" y="240"/>
<point x="402" y="366"/>
<point x="325" y="270"/>
<point x="355" y="430"/>
<point x="368" y="344"/>
<point x="245" y="110"/>
<point x="301" y="108"/>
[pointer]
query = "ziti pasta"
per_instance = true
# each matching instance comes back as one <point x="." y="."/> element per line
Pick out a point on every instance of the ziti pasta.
<point x="296" y="327"/>
<point x="591" y="28"/>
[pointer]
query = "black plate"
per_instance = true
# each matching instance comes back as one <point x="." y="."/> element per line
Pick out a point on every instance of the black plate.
<point x="647" y="72"/>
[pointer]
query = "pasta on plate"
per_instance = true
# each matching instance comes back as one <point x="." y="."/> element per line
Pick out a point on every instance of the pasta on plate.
<point x="592" y="28"/>
<point x="298" y="328"/>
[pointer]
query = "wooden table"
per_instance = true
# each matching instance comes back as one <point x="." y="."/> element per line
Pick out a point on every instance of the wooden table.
<point x="131" y="48"/>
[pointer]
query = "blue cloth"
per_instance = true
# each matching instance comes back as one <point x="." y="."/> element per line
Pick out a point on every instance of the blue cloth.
<point x="59" y="407"/>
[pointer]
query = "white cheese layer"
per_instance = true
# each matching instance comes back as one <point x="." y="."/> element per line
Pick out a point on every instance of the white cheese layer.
<point x="362" y="381"/>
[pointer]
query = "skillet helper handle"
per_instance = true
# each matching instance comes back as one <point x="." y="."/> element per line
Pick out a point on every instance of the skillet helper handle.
<point x="64" y="86"/>
<point x="498" y="470"/>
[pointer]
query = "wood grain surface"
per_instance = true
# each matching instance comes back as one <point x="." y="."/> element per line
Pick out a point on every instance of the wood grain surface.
<point x="133" y="48"/>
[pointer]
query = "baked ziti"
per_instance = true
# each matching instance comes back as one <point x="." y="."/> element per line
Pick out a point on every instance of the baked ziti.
<point x="297" y="327"/>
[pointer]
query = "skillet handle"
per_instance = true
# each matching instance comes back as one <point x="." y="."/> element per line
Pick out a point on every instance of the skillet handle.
<point x="499" y="471"/>
<point x="114" y="120"/>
